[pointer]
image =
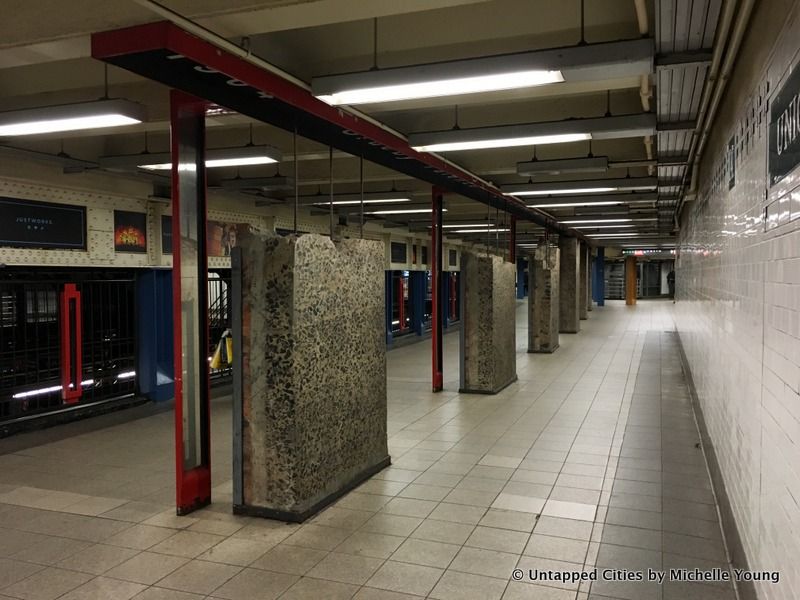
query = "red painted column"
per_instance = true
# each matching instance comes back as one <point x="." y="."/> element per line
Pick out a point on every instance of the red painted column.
<point x="401" y="310"/>
<point x="71" y="345"/>
<point x="437" y="318"/>
<point x="512" y="240"/>
<point x="190" y="303"/>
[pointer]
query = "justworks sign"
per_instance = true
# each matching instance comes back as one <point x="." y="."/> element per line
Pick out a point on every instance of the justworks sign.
<point x="784" y="129"/>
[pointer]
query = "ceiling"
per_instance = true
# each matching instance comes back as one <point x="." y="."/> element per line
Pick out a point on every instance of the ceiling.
<point x="47" y="61"/>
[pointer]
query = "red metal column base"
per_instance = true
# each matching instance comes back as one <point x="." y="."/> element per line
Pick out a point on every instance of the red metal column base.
<point x="195" y="491"/>
<point x="437" y="318"/>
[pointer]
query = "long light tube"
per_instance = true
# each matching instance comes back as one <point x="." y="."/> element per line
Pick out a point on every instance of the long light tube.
<point x="585" y="221"/>
<point x="588" y="190"/>
<point x="602" y="226"/>
<point x="568" y="204"/>
<point x="71" y="117"/>
<point x="484" y="230"/>
<point x="215" y="157"/>
<point x="444" y="87"/>
<point x="351" y="202"/>
<point x="406" y="211"/>
<point x="506" y="142"/>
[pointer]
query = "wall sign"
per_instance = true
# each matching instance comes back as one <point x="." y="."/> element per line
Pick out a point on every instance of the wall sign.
<point x="784" y="128"/>
<point x="130" y="232"/>
<point x="31" y="224"/>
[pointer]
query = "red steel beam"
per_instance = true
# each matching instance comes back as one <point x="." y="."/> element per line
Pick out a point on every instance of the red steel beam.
<point x="156" y="50"/>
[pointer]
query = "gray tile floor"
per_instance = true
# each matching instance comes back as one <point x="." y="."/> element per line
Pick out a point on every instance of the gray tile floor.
<point x="587" y="464"/>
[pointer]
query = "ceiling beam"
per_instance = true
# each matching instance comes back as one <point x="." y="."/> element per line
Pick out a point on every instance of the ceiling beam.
<point x="201" y="63"/>
<point x="684" y="59"/>
<point x="677" y="126"/>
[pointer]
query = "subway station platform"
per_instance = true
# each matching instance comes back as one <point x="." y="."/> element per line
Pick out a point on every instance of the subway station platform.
<point x="590" y="461"/>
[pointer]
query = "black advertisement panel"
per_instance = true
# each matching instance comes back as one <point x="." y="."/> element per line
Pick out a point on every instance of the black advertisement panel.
<point x="399" y="252"/>
<point x="130" y="232"/>
<point x="784" y="129"/>
<point x="31" y="224"/>
<point x="166" y="234"/>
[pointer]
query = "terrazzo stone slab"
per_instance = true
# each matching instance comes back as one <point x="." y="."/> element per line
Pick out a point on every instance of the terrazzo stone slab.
<point x="569" y="286"/>
<point x="313" y="376"/>
<point x="488" y="331"/>
<point x="543" y="299"/>
<point x="589" y="296"/>
<point x="584" y="283"/>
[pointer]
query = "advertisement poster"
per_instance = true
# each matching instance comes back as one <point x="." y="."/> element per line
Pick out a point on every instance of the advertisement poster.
<point x="130" y="231"/>
<point x="30" y="224"/>
<point x="223" y="236"/>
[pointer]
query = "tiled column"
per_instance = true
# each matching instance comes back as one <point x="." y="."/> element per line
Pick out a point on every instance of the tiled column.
<point x="543" y="300"/>
<point x="583" y="306"/>
<point x="599" y="287"/>
<point x="630" y="280"/>
<point x="569" y="286"/>
<point x="488" y="329"/>
<point x="311" y="403"/>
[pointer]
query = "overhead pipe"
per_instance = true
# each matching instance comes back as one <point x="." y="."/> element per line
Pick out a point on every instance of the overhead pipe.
<point x="645" y="91"/>
<point x="723" y="32"/>
<point x="494" y="198"/>
<point x="721" y="82"/>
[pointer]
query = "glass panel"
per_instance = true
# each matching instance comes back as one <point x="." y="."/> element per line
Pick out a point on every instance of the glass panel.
<point x="191" y="220"/>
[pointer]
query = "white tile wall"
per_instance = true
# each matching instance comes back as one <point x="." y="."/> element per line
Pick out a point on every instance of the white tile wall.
<point x="738" y="316"/>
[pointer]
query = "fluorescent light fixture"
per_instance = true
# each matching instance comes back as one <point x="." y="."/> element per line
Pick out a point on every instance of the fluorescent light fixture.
<point x="602" y="226"/>
<point x="464" y="225"/>
<point x="503" y="142"/>
<point x="590" y="62"/>
<point x="485" y="230"/>
<point x="405" y="211"/>
<point x="454" y="86"/>
<point x="39" y="392"/>
<point x="567" y="204"/>
<point x="611" y="235"/>
<point x="215" y="157"/>
<point x="576" y="188"/>
<point x="590" y="164"/>
<point x="388" y="197"/>
<point x="222" y="157"/>
<point x="275" y="182"/>
<point x="71" y="117"/>
<point x="531" y="134"/>
<point x="594" y="190"/>
<point x="351" y="202"/>
<point x="586" y="221"/>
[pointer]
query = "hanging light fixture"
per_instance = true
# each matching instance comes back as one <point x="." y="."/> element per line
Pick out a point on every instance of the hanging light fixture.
<point x="585" y="186"/>
<point x="487" y="74"/>
<point x="533" y="134"/>
<point x="215" y="157"/>
<point x="96" y="114"/>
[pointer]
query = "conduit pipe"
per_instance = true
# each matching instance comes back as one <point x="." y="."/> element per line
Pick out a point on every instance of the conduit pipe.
<point x="645" y="91"/>
<point x="720" y="83"/>
<point x="703" y="123"/>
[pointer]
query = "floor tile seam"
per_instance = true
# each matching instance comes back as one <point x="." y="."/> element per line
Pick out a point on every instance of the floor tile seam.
<point x="599" y="349"/>
<point x="563" y="401"/>
<point x="616" y="349"/>
<point x="674" y="348"/>
<point x="636" y="354"/>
